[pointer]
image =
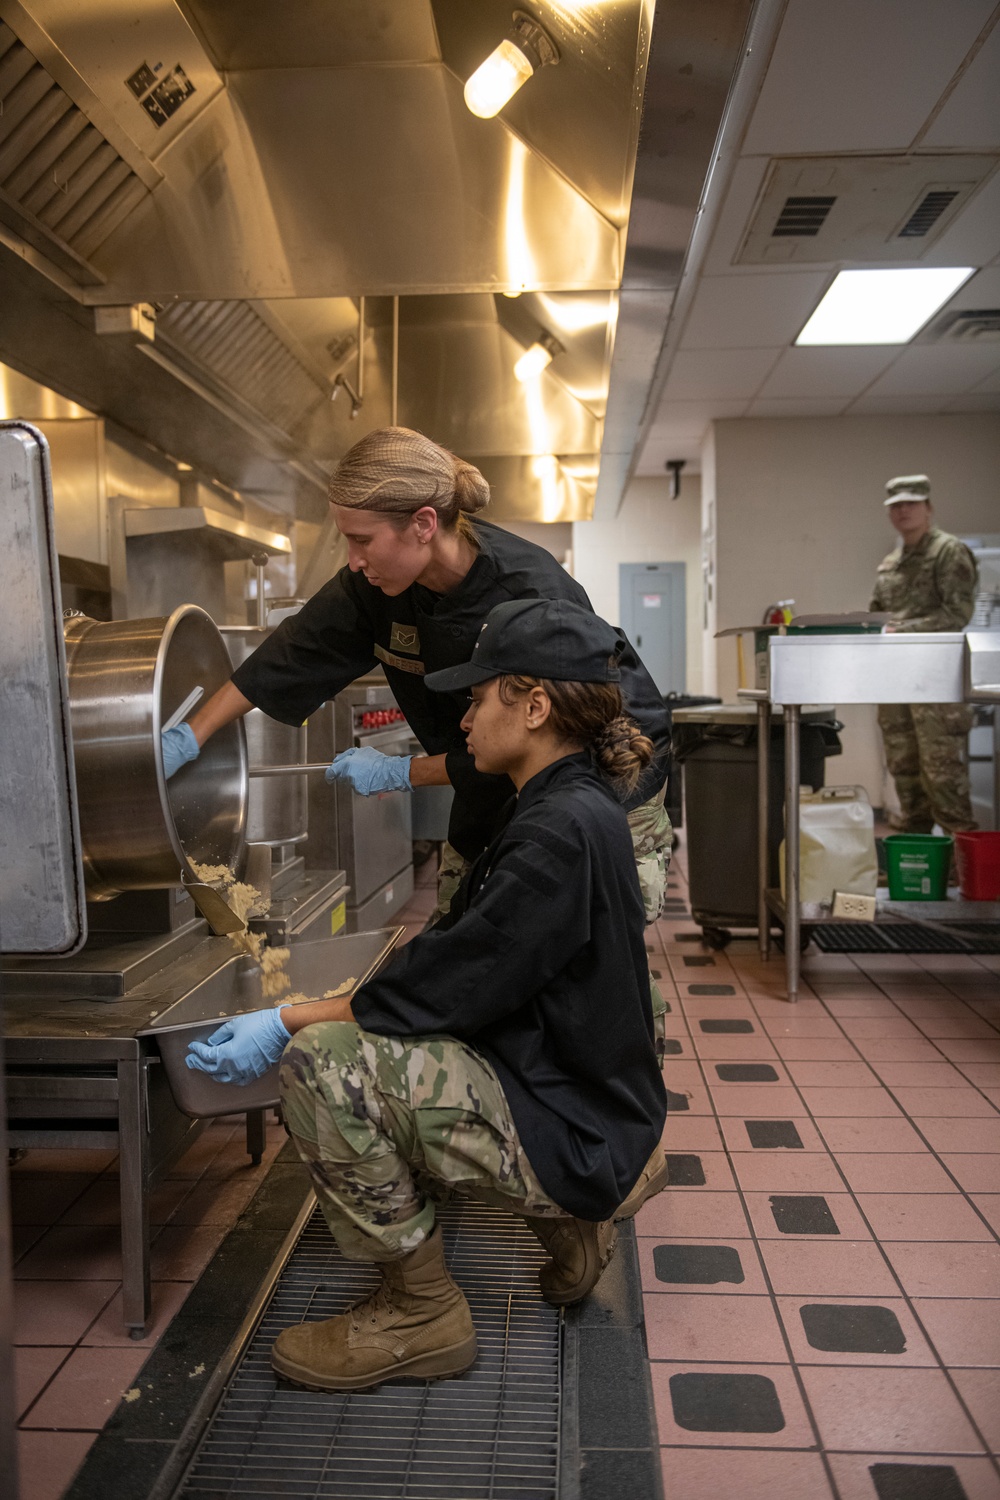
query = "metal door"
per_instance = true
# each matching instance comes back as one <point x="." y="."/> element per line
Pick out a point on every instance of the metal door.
<point x="653" y="607"/>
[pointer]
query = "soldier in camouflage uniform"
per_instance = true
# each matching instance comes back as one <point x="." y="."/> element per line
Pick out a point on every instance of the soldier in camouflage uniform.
<point x="928" y="583"/>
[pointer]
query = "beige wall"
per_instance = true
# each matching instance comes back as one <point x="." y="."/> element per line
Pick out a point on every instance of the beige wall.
<point x="798" y="515"/>
<point x="650" y="527"/>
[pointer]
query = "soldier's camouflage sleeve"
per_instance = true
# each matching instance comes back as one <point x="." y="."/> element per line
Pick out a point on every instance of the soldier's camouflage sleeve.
<point x="956" y="577"/>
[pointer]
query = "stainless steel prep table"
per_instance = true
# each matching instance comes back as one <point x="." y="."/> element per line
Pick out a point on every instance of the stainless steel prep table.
<point x="943" y="667"/>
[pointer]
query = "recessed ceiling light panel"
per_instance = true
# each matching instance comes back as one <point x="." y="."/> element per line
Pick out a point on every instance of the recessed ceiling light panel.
<point x="881" y="307"/>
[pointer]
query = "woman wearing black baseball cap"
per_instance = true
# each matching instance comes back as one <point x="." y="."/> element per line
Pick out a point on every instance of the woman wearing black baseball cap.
<point x="508" y="1051"/>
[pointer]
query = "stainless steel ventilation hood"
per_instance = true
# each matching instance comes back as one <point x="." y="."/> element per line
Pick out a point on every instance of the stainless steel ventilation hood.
<point x="302" y="194"/>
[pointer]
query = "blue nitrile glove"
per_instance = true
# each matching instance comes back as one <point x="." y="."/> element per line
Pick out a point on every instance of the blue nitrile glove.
<point x="179" y="746"/>
<point x="369" y="771"/>
<point x="242" y="1048"/>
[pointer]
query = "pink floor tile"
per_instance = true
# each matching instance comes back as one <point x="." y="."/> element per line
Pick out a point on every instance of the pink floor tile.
<point x="87" y="1389"/>
<point x="961" y="1331"/>
<point x="77" y="1252"/>
<point x="988" y="1205"/>
<point x="770" y="1101"/>
<point x="978" y="1050"/>
<point x="734" y="1048"/>
<point x="922" y="1216"/>
<point x="182" y="1253"/>
<point x="88" y="1162"/>
<point x="956" y="1103"/>
<point x="885" y="1135"/>
<point x="983" y="1074"/>
<point x="737" y="1139"/>
<point x="47" y="1312"/>
<point x="787" y="1172"/>
<point x="841" y="1205"/>
<point x="899" y="1172"/>
<point x="975" y="1173"/>
<point x="977" y="1476"/>
<point x="876" y="1050"/>
<point x="43" y="1197"/>
<point x="961" y="1135"/>
<point x="980" y="1390"/>
<point x="869" y="1004"/>
<point x="48" y="1461"/>
<point x="919" y="1075"/>
<point x="101" y="1203"/>
<point x="686" y="1132"/>
<point x="796" y="1432"/>
<point x="716" y="1170"/>
<point x="658" y="1294"/>
<point x="853" y="1102"/>
<point x="681" y="1074"/>
<point x="889" y="1411"/>
<point x="33" y="1369"/>
<point x="736" y="1330"/>
<point x="786" y="1024"/>
<point x="967" y="1270"/>
<point x="849" y="1075"/>
<point x="958" y="1028"/>
<point x="693" y="1215"/>
<point x="689" y="1473"/>
<point x="698" y="1102"/>
<point x="815" y="1049"/>
<point x="212" y="1202"/>
<point x="917" y="1351"/>
<point x="840" y="1268"/>
<point x="109" y="1330"/>
<point x="860" y="1028"/>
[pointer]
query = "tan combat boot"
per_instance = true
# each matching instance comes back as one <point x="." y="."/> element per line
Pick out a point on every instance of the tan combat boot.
<point x="417" y="1325"/>
<point x="652" y="1180"/>
<point x="580" y="1252"/>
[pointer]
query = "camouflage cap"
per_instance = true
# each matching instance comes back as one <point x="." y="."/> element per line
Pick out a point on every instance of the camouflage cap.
<point x="908" y="487"/>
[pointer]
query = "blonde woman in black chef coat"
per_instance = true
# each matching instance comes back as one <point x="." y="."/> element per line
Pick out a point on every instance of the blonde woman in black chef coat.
<point x="423" y="573"/>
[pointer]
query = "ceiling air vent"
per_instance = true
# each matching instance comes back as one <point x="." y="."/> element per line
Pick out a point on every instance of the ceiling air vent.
<point x="972" y="325"/>
<point x="927" y="212"/>
<point x="858" y="210"/>
<point x="802" y="217"/>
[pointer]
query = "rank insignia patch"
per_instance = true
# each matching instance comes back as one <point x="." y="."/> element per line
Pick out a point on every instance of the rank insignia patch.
<point x="405" y="638"/>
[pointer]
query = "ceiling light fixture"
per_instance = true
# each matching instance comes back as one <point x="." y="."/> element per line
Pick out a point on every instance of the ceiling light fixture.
<point x="534" y="360"/>
<point x="881" y="307"/>
<point x="509" y="66"/>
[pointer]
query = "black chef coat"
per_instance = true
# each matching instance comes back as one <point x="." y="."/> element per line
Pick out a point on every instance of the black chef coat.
<point x="350" y="625"/>
<point x="541" y="967"/>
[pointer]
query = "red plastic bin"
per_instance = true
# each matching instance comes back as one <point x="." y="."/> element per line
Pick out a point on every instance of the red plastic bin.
<point x="978" y="858"/>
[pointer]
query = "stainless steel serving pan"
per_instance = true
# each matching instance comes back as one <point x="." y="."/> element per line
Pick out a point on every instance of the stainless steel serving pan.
<point x="313" y="968"/>
<point x="126" y="678"/>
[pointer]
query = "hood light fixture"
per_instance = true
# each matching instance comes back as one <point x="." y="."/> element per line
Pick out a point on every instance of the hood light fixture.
<point x="509" y="66"/>
<point x="536" y="359"/>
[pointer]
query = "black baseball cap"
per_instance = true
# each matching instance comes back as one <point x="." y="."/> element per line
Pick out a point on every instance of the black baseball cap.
<point x="538" y="638"/>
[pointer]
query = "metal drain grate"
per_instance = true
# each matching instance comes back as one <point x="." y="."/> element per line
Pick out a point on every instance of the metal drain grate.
<point x="907" y="937"/>
<point x="492" y="1434"/>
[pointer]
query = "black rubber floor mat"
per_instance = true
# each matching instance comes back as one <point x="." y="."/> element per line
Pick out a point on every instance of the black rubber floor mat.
<point x="492" y="1433"/>
<point x="906" y="937"/>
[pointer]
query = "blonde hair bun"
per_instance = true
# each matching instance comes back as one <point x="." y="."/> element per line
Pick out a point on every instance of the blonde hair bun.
<point x="471" y="490"/>
<point x="397" y="471"/>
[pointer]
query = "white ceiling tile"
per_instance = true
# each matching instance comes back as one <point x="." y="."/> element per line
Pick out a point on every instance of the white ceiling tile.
<point x="699" y="374"/>
<point x="892" y="406"/>
<point x="981" y="400"/>
<point x="750" y="312"/>
<point x="938" y="370"/>
<point x="991" y="383"/>
<point x="679" y="430"/>
<point x="826" y="372"/>
<point x="974" y="238"/>
<point x="654" y="457"/>
<point x="797" y="407"/>
<point x="858" y="76"/>
<point x="970" y="120"/>
<point x="741" y="195"/>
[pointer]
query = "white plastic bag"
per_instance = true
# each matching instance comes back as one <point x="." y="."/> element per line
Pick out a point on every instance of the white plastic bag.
<point x="836" y="847"/>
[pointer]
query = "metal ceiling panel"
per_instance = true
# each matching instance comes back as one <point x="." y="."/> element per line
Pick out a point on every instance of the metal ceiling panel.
<point x="582" y="114"/>
<point x="539" y="489"/>
<point x="313" y="33"/>
<point x="319" y="182"/>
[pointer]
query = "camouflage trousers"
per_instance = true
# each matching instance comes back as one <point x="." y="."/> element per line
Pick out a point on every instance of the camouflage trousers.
<point x="652" y="839"/>
<point x="387" y="1125"/>
<point x="925" y="746"/>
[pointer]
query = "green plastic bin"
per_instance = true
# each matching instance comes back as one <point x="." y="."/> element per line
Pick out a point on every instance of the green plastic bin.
<point x="917" y="865"/>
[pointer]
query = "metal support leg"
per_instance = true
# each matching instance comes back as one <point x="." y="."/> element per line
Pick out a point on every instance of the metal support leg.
<point x="763" y="862"/>
<point x="256" y="1134"/>
<point x="133" y="1167"/>
<point x="792" y="721"/>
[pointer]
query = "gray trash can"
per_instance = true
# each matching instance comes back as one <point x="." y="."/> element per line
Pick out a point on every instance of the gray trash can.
<point x="718" y="749"/>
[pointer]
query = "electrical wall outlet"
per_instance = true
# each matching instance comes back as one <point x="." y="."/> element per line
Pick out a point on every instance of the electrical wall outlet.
<point x="851" y="908"/>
